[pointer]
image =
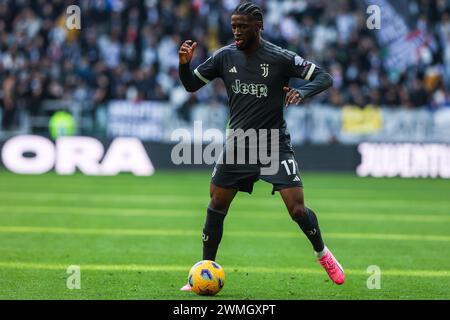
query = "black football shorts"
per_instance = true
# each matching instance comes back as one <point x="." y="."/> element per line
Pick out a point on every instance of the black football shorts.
<point x="243" y="176"/>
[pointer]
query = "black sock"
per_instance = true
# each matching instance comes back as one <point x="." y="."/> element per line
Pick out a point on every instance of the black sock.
<point x="310" y="226"/>
<point x="212" y="233"/>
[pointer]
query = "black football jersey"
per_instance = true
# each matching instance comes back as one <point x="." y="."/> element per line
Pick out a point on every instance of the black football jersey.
<point x="255" y="84"/>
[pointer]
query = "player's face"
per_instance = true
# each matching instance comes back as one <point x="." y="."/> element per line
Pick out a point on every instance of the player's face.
<point x="244" y="30"/>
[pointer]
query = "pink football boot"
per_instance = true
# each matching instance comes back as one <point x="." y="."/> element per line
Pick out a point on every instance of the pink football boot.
<point x="332" y="267"/>
<point x="186" y="287"/>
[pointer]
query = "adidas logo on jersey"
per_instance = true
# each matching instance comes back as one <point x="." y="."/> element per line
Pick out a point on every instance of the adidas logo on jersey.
<point x="233" y="70"/>
<point x="296" y="178"/>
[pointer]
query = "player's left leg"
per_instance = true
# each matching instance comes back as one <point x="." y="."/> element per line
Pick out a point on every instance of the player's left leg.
<point x="308" y="223"/>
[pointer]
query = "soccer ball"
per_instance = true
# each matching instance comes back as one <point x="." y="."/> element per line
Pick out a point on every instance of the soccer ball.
<point x="206" y="277"/>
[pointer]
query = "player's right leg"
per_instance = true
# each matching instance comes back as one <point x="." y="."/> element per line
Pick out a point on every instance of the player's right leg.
<point x="219" y="204"/>
<point x="221" y="199"/>
<point x="227" y="179"/>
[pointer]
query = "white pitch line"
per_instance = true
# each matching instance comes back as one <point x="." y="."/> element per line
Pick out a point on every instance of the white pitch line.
<point x="245" y="234"/>
<point x="240" y="269"/>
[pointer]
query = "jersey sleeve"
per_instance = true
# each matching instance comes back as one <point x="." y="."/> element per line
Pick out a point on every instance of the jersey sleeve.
<point x="298" y="67"/>
<point x="209" y="70"/>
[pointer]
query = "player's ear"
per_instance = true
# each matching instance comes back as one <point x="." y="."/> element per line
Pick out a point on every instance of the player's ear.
<point x="259" y="25"/>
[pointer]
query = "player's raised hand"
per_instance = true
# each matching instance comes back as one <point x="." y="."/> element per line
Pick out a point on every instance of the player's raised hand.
<point x="292" y="97"/>
<point x="186" y="51"/>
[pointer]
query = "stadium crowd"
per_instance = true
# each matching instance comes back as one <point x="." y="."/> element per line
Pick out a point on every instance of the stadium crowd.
<point x="129" y="50"/>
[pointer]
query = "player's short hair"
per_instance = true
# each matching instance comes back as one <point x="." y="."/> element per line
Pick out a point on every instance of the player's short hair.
<point x="249" y="9"/>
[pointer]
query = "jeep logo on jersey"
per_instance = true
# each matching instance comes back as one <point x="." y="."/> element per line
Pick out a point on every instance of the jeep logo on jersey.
<point x="260" y="90"/>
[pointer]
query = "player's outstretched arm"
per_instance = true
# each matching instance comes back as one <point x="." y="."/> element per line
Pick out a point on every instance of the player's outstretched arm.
<point x="190" y="82"/>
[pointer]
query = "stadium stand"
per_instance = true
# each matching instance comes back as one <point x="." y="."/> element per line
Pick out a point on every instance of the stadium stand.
<point x="127" y="50"/>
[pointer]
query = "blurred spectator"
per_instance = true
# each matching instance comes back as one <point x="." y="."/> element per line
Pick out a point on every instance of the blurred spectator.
<point x="9" y="101"/>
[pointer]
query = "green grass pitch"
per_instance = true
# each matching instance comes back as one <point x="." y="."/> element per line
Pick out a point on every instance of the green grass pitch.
<point x="137" y="237"/>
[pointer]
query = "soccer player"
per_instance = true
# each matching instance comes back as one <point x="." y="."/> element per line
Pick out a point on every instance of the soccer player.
<point x="256" y="74"/>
